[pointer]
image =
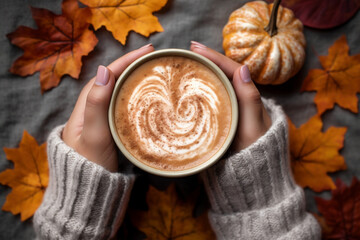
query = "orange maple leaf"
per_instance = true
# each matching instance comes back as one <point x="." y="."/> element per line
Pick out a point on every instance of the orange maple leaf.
<point x="338" y="82"/>
<point x="170" y="217"/>
<point x="120" y="17"/>
<point x="56" y="47"/>
<point x="28" y="179"/>
<point x="314" y="153"/>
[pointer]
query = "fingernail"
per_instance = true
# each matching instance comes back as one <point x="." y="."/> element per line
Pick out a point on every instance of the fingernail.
<point x="147" y="45"/>
<point x="102" y="76"/>
<point x="198" y="45"/>
<point x="245" y="74"/>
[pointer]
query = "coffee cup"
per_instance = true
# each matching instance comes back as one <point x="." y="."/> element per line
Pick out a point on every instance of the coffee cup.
<point x="173" y="113"/>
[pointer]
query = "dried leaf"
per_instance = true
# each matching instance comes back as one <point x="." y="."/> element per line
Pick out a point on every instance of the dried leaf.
<point x="338" y="82"/>
<point x="169" y="217"/>
<point x="342" y="211"/>
<point x="28" y="179"/>
<point x="314" y="153"/>
<point x="56" y="47"/>
<point x="120" y="17"/>
<point x="325" y="229"/>
<point x="322" y="14"/>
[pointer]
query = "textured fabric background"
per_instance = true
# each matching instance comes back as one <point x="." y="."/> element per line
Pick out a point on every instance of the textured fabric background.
<point x="23" y="107"/>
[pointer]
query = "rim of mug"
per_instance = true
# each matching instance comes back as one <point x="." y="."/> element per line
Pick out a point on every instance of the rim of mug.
<point x="219" y="73"/>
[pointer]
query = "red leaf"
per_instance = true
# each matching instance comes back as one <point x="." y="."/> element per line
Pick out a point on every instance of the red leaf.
<point x="56" y="47"/>
<point x="322" y="14"/>
<point x="342" y="211"/>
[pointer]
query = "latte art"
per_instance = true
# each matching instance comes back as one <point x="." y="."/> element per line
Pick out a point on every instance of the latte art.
<point x="171" y="113"/>
<point x="184" y="125"/>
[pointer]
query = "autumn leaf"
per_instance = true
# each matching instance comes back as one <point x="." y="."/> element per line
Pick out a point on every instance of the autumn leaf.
<point x="342" y="211"/>
<point x="28" y="179"/>
<point x="338" y="82"/>
<point x="120" y="17"/>
<point x="322" y="14"/>
<point x="315" y="153"/>
<point x="169" y="217"/>
<point x="56" y="47"/>
<point x="325" y="229"/>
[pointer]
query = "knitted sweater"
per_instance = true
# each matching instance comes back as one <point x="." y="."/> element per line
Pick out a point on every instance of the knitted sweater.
<point x="252" y="193"/>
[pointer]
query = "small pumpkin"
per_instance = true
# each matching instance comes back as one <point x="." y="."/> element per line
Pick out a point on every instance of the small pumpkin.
<point x="273" y="50"/>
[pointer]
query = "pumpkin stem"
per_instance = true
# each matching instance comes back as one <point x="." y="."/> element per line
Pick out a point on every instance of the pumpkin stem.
<point x="271" y="27"/>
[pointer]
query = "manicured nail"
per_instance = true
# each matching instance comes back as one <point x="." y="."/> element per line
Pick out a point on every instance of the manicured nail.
<point x="102" y="76"/>
<point x="146" y="46"/>
<point x="198" y="45"/>
<point x="245" y="74"/>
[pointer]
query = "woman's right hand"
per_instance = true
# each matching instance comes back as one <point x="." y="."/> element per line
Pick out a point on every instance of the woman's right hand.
<point x="254" y="121"/>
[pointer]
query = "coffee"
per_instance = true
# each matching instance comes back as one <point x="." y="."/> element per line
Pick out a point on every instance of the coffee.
<point x="173" y="113"/>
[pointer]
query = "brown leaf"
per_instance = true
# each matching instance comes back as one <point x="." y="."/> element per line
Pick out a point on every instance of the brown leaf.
<point x="28" y="179"/>
<point x="322" y="14"/>
<point x="56" y="47"/>
<point x="342" y="211"/>
<point x="325" y="229"/>
<point x="169" y="217"/>
<point x="338" y="82"/>
<point x="314" y="153"/>
<point x="120" y="17"/>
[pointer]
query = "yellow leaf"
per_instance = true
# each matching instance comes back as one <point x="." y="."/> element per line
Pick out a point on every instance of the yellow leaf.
<point x="170" y="217"/>
<point x="28" y="179"/>
<point x="338" y="82"/>
<point x="315" y="153"/>
<point x="120" y="17"/>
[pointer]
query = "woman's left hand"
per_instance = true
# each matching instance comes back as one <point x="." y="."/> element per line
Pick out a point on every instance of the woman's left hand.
<point x="87" y="130"/>
<point x="254" y="121"/>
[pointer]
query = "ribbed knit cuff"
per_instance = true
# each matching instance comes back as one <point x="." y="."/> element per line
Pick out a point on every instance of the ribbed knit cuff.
<point x="256" y="176"/>
<point x="253" y="194"/>
<point x="83" y="200"/>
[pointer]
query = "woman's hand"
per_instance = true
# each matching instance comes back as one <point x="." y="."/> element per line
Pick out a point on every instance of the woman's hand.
<point x="87" y="130"/>
<point x="254" y="121"/>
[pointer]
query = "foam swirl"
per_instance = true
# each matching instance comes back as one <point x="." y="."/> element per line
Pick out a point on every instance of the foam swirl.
<point x="173" y="113"/>
<point x="174" y="119"/>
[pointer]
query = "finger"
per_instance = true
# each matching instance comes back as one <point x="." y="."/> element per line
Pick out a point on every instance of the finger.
<point x="226" y="64"/>
<point x="246" y="91"/>
<point x="96" y="143"/>
<point x="252" y="112"/>
<point x="76" y="119"/>
<point x="97" y="103"/>
<point x="119" y="65"/>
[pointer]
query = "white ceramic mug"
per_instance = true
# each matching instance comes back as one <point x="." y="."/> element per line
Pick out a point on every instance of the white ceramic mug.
<point x="194" y="56"/>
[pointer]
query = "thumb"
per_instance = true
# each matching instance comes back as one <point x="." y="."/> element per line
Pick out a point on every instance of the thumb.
<point x="247" y="93"/>
<point x="97" y="104"/>
<point x="253" y="117"/>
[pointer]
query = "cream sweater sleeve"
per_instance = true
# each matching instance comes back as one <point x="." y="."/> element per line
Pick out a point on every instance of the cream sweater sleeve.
<point x="83" y="200"/>
<point x="253" y="194"/>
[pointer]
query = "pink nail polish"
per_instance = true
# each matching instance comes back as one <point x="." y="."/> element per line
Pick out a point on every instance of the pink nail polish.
<point x="245" y="74"/>
<point x="147" y="45"/>
<point x="198" y="45"/>
<point x="102" y="76"/>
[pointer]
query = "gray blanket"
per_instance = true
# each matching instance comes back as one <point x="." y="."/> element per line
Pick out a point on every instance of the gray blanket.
<point x="24" y="108"/>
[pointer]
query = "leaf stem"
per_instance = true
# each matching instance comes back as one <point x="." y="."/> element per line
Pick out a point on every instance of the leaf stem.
<point x="271" y="27"/>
